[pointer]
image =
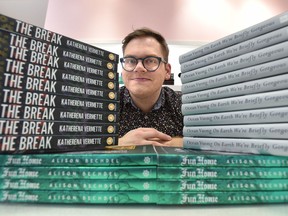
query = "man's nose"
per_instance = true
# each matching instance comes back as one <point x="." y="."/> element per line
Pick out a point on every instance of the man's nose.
<point x="140" y="65"/>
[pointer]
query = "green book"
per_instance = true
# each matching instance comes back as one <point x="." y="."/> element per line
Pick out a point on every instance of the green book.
<point x="174" y="156"/>
<point x="207" y="185"/>
<point x="81" y="197"/>
<point x="125" y="172"/>
<point x="222" y="172"/>
<point x="114" y="156"/>
<point x="79" y="184"/>
<point x="229" y="197"/>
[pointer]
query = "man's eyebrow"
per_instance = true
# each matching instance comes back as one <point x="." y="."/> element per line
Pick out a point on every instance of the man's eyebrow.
<point x="152" y="55"/>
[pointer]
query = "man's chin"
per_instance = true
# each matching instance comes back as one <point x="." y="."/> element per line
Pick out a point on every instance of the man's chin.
<point x="139" y="91"/>
<point x="139" y="85"/>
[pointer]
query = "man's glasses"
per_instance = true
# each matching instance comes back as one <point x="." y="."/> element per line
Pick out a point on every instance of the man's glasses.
<point x="150" y="63"/>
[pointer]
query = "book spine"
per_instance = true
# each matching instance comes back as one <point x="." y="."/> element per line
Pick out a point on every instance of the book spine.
<point x="270" y="53"/>
<point x="216" y="159"/>
<point x="48" y="60"/>
<point x="78" y="197"/>
<point x="17" y="112"/>
<point x="30" y="69"/>
<point x="99" y="158"/>
<point x="273" y="115"/>
<point x="269" y="69"/>
<point x="246" y="74"/>
<point x="227" y="197"/>
<point x="248" y="88"/>
<point x="79" y="184"/>
<point x="53" y="144"/>
<point x="222" y="173"/>
<point x="258" y="147"/>
<point x="271" y="24"/>
<point x="96" y="173"/>
<point x="30" y="98"/>
<point x="253" y="101"/>
<point x="260" y="42"/>
<point x="255" y="86"/>
<point x="264" y="131"/>
<point x="128" y="158"/>
<point x="26" y="68"/>
<point x="27" y="127"/>
<point x="29" y="30"/>
<point x="30" y="85"/>
<point x="222" y="185"/>
<point x="7" y="80"/>
<point x="13" y="41"/>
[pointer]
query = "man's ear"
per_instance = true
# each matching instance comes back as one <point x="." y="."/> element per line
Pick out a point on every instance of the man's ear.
<point x="168" y="71"/>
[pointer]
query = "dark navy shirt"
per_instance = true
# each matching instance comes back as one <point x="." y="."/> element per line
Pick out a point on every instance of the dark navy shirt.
<point x="166" y="115"/>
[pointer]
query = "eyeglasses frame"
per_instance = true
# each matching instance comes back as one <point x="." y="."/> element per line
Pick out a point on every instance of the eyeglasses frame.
<point x="142" y="61"/>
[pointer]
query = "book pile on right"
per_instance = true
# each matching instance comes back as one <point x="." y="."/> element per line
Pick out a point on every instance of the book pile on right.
<point x="235" y="96"/>
<point x="192" y="177"/>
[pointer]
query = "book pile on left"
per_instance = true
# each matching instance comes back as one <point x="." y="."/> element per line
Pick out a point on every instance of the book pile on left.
<point x="59" y="99"/>
<point x="57" y="94"/>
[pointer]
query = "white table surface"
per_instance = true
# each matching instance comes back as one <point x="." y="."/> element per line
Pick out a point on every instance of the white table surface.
<point x="25" y="209"/>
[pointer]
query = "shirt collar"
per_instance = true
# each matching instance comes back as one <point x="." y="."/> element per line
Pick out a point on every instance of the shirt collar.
<point x="160" y="102"/>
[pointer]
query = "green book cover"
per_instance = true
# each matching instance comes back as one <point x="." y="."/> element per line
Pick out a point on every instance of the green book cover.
<point x="81" y="197"/>
<point x="229" y="197"/>
<point x="222" y="172"/>
<point x="112" y="156"/>
<point x="125" y="172"/>
<point x="173" y="156"/>
<point x="79" y="184"/>
<point x="187" y="185"/>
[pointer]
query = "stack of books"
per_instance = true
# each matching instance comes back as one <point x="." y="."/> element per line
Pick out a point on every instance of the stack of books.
<point x="235" y="101"/>
<point x="57" y="94"/>
<point x="191" y="177"/>
<point x="144" y="175"/>
<point x="114" y="176"/>
<point x="235" y="91"/>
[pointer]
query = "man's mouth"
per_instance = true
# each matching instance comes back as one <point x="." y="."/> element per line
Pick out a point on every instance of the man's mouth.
<point x="140" y="79"/>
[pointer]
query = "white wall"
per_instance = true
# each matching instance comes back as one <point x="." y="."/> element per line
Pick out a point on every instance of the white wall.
<point x="177" y="20"/>
<point x="31" y="11"/>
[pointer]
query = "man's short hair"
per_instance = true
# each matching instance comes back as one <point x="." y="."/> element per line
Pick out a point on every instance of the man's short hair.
<point x="146" y="32"/>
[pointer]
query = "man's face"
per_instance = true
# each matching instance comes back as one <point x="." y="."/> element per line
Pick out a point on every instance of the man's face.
<point x="140" y="82"/>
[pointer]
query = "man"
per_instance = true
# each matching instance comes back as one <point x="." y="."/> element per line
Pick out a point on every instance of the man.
<point x="149" y="113"/>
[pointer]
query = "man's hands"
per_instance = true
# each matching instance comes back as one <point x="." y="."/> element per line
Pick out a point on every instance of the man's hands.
<point x="149" y="136"/>
<point x="174" y="142"/>
<point x="144" y="136"/>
